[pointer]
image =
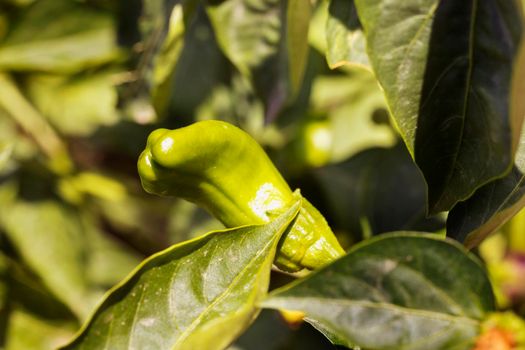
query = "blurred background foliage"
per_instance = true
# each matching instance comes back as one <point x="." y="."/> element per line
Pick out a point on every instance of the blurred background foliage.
<point x="84" y="82"/>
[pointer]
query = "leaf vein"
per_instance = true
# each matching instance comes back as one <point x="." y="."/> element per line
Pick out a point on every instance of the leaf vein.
<point x="222" y="295"/>
<point x="429" y="314"/>
<point x="468" y="87"/>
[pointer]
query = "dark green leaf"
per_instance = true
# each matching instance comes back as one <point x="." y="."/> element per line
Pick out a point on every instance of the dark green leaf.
<point x="344" y="35"/>
<point x="270" y="332"/>
<point x="363" y="194"/>
<point x="395" y="292"/>
<point x="446" y="71"/>
<point x="492" y="205"/>
<point x="195" y="295"/>
<point x="77" y="37"/>
<point x="488" y="209"/>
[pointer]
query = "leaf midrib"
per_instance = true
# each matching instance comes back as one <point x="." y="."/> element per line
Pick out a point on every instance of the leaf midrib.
<point x="468" y="87"/>
<point x="434" y="315"/>
<point x="184" y="335"/>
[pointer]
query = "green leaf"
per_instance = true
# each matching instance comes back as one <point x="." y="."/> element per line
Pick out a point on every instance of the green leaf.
<point x="266" y="43"/>
<point x="344" y="35"/>
<point x="350" y="102"/>
<point x="26" y="291"/>
<point x="108" y="260"/>
<point x="395" y="291"/>
<point x="28" y="331"/>
<point x="167" y="59"/>
<point x="48" y="237"/>
<point x="271" y="332"/>
<point x="5" y="307"/>
<point x="67" y="102"/>
<point x="14" y="146"/>
<point x="494" y="204"/>
<point x="5" y="155"/>
<point x="297" y="21"/>
<point x="16" y="106"/>
<point x="446" y="71"/>
<point x="199" y="294"/>
<point x="247" y="32"/>
<point x="488" y="209"/>
<point x="363" y="194"/>
<point x="187" y="62"/>
<point x="59" y="36"/>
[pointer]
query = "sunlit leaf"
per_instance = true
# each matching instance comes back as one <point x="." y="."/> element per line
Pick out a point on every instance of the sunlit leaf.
<point x="68" y="102"/>
<point x="26" y="291"/>
<point x="5" y="307"/>
<point x="298" y="18"/>
<point x="395" y="292"/>
<point x="48" y="237"/>
<point x="252" y="34"/>
<point x="143" y="219"/>
<point x="27" y="331"/>
<point x="167" y="59"/>
<point x="19" y="109"/>
<point x="5" y="154"/>
<point x="199" y="294"/>
<point x="20" y="147"/>
<point x="108" y="260"/>
<point x="354" y="105"/>
<point x="446" y="71"/>
<point x="79" y="36"/>
<point x="345" y="38"/>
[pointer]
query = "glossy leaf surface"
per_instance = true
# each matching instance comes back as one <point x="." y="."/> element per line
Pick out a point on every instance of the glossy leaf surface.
<point x="199" y="294"/>
<point x="450" y="102"/>
<point x="395" y="292"/>
<point x="492" y="205"/>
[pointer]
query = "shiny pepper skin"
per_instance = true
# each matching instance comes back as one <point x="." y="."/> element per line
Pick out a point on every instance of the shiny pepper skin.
<point x="221" y="168"/>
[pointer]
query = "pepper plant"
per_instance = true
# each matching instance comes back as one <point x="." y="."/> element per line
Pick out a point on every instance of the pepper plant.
<point x="311" y="174"/>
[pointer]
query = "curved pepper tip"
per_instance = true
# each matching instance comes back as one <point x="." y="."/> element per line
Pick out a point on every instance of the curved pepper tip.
<point x="146" y="170"/>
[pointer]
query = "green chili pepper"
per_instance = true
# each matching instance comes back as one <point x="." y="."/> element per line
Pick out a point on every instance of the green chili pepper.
<point x="221" y="168"/>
